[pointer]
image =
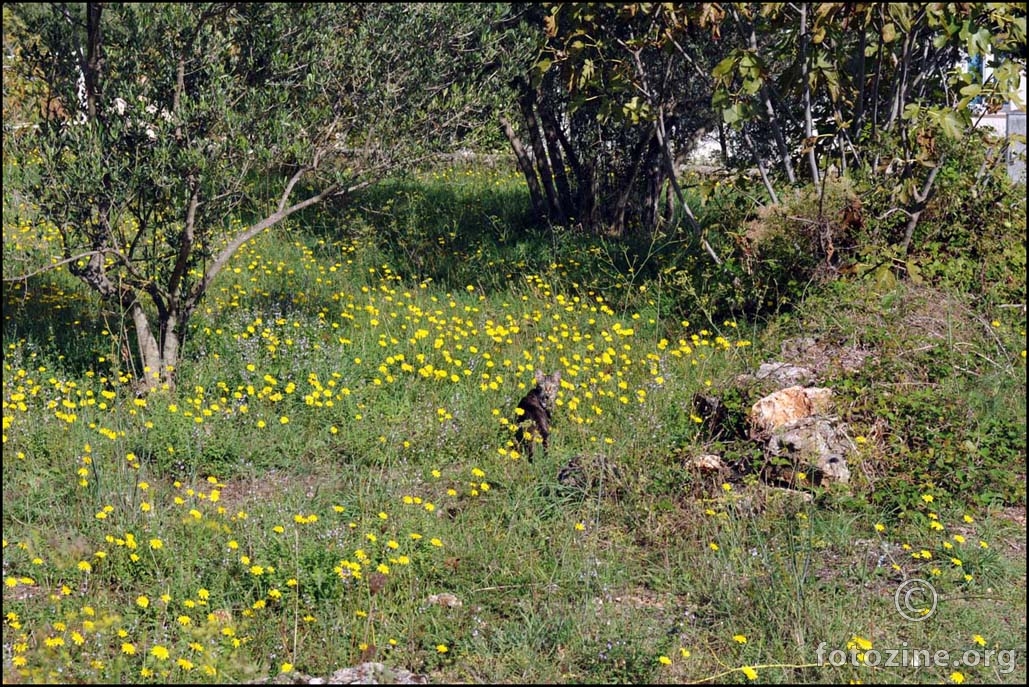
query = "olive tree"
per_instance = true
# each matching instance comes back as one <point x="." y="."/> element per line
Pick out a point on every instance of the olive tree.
<point x="163" y="127"/>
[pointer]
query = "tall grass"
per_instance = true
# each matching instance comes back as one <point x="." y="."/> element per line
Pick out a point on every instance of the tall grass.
<point x="336" y="480"/>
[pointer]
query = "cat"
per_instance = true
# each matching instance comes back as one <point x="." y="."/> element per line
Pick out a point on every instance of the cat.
<point x="536" y="409"/>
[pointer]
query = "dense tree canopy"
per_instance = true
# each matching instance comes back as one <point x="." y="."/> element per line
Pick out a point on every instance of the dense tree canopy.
<point x="617" y="93"/>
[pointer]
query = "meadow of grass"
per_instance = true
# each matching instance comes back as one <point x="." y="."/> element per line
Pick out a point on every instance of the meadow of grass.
<point x="335" y="479"/>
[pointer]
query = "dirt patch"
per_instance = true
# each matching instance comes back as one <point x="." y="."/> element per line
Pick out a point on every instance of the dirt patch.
<point x="245" y="491"/>
<point x="1015" y="541"/>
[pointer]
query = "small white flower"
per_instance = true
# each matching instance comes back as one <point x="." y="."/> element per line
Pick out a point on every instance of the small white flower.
<point x="120" y="105"/>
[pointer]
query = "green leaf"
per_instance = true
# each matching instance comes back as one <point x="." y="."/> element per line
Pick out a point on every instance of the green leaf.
<point x="901" y="13"/>
<point x="750" y="64"/>
<point x="752" y="85"/>
<point x="914" y="273"/>
<point x="951" y="125"/>
<point x="884" y="279"/>
<point x="724" y="68"/>
<point x="971" y="90"/>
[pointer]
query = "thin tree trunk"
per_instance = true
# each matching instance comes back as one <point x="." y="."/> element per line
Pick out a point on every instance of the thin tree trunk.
<point x="93" y="58"/>
<point x="539" y="151"/>
<point x="760" y="165"/>
<point x="805" y="68"/>
<point x="875" y="85"/>
<point x="723" y="146"/>
<point x="655" y="182"/>
<point x="525" y="165"/>
<point x="921" y="199"/>
<point x="773" y="119"/>
<point x="617" y="227"/>
<point x="662" y="139"/>
<point x="859" y="74"/>
<point x="557" y="164"/>
<point x="900" y="85"/>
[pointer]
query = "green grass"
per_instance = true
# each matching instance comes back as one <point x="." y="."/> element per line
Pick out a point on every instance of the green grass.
<point x="338" y="454"/>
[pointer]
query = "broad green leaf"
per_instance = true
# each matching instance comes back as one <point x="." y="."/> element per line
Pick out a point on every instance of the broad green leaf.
<point x="889" y="33"/>
<point x="750" y="64"/>
<point x="884" y="279"/>
<point x="752" y="85"/>
<point x="971" y="90"/>
<point x="724" y="68"/>
<point x="914" y="273"/>
<point x="951" y="125"/>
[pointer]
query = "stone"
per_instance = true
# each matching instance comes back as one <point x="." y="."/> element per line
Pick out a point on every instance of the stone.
<point x="785" y="406"/>
<point x="816" y="444"/>
<point x="785" y="374"/>
<point x="708" y="462"/>
<point x="445" y="599"/>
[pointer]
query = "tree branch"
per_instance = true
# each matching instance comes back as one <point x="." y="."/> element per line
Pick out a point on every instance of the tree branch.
<point x="226" y="253"/>
<point x="53" y="266"/>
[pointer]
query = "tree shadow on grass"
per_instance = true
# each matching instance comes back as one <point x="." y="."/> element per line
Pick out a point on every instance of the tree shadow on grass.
<point x="451" y="233"/>
<point x="60" y="321"/>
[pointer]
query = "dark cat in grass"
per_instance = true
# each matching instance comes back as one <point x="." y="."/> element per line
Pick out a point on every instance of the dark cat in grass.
<point x="534" y="412"/>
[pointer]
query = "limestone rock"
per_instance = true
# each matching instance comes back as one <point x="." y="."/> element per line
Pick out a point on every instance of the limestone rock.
<point x="708" y="462"/>
<point x="815" y="443"/>
<point x="445" y="599"/>
<point x="785" y="374"/>
<point x="796" y="424"/>
<point x="788" y="405"/>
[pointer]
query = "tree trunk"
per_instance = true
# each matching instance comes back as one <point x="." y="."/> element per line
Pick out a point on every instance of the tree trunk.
<point x="617" y="226"/>
<point x="157" y="368"/>
<point x="665" y="146"/>
<point x="921" y="199"/>
<point x="759" y="161"/>
<point x="557" y="164"/>
<point x="770" y="113"/>
<point x="809" y="134"/>
<point x="859" y="74"/>
<point x="539" y="151"/>
<point x="93" y="58"/>
<point x="525" y="165"/>
<point x="655" y="182"/>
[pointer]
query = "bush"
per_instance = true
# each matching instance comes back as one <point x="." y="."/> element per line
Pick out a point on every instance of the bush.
<point x="771" y="256"/>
